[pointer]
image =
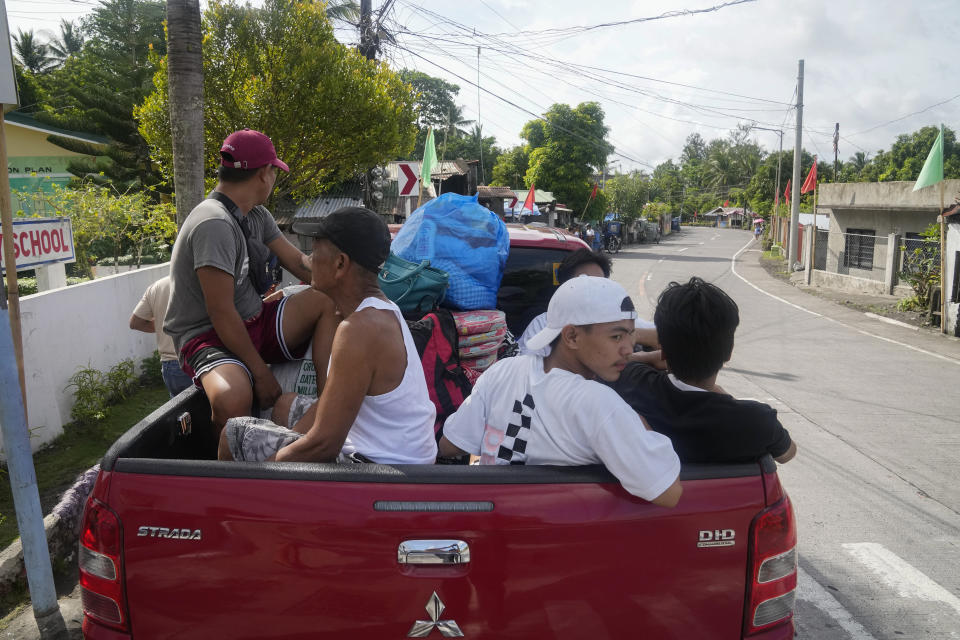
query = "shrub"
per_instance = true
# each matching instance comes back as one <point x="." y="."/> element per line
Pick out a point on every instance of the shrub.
<point x="90" y="397"/>
<point x="150" y="369"/>
<point x="96" y="391"/>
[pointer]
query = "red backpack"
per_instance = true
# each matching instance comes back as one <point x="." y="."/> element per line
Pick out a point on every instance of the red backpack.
<point x="435" y="335"/>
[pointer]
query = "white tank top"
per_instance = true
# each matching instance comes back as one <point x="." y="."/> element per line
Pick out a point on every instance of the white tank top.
<point x="396" y="427"/>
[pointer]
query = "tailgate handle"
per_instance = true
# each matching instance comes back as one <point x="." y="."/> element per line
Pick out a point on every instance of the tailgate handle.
<point x="433" y="552"/>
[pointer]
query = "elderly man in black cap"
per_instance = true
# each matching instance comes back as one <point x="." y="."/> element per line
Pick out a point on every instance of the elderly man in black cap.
<point x="375" y="405"/>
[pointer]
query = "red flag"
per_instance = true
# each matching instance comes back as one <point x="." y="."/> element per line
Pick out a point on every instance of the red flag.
<point x="726" y="203"/>
<point x="513" y="202"/>
<point x="811" y="182"/>
<point x="528" y="203"/>
<point x="786" y="192"/>
<point x="593" y="194"/>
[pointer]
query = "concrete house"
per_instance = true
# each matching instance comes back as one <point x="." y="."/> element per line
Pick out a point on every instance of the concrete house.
<point x="871" y="224"/>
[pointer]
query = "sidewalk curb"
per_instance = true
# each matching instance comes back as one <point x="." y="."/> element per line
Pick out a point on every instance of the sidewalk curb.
<point x="61" y="542"/>
<point x="62" y="528"/>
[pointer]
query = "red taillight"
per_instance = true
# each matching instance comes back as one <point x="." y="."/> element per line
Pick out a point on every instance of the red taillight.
<point x="773" y="569"/>
<point x="101" y="575"/>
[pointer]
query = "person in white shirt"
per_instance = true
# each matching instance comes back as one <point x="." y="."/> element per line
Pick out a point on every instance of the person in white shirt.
<point x="534" y="410"/>
<point x="587" y="262"/>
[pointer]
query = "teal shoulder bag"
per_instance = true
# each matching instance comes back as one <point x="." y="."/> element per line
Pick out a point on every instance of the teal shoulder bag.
<point x="412" y="286"/>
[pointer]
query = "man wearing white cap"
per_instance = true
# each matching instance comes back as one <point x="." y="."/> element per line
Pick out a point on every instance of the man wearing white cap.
<point x="535" y="410"/>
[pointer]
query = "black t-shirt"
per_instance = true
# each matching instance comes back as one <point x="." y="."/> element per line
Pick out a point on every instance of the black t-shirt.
<point x="704" y="426"/>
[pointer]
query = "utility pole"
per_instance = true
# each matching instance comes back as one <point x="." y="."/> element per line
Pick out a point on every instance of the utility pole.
<point x="795" y="185"/>
<point x="368" y="49"/>
<point x="368" y="38"/>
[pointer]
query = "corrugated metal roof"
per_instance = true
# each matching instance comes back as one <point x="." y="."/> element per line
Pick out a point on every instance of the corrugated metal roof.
<point x="321" y="207"/>
<point x="495" y="192"/>
<point x="538" y="195"/>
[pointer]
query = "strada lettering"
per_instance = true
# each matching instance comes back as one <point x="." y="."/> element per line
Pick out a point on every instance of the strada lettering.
<point x="164" y="532"/>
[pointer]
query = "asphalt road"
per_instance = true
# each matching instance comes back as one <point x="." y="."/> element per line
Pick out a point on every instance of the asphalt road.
<point x="875" y="411"/>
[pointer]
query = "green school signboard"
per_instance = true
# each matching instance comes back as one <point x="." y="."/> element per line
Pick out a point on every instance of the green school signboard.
<point x="36" y="173"/>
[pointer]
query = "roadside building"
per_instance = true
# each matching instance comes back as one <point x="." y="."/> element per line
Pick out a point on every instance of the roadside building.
<point x="873" y="225"/>
<point x="726" y="217"/>
<point x="546" y="207"/>
<point x="495" y="198"/>
<point x="33" y="162"/>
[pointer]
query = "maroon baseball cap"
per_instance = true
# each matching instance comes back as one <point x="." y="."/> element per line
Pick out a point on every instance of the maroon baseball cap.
<point x="249" y="149"/>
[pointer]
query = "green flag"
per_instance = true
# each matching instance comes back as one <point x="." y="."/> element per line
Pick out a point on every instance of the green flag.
<point x="429" y="161"/>
<point x="932" y="171"/>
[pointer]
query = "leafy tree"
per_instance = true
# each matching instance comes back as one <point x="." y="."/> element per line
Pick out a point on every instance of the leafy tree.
<point x="628" y="193"/>
<point x="469" y="147"/>
<point x="511" y="167"/>
<point x="105" y="222"/>
<point x="29" y="89"/>
<point x="909" y="152"/>
<point x="279" y="69"/>
<point x="96" y="89"/>
<point x="31" y="53"/>
<point x="567" y="147"/>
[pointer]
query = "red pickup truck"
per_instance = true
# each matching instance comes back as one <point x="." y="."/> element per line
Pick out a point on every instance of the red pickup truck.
<point x="178" y="545"/>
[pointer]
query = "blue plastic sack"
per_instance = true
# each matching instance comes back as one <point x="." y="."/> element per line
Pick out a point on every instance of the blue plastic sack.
<point x="459" y="236"/>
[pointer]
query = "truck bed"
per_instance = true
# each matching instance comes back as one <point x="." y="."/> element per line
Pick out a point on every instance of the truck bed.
<point x="280" y="550"/>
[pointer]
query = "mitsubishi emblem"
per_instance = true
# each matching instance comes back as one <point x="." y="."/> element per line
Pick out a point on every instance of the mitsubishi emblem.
<point x="423" y="628"/>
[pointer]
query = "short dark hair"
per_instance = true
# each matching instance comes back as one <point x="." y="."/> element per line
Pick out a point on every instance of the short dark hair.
<point x="579" y="258"/>
<point x="232" y="174"/>
<point x="695" y="324"/>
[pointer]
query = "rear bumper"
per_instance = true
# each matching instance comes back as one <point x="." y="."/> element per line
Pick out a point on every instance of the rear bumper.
<point x="95" y="631"/>
<point x="780" y="632"/>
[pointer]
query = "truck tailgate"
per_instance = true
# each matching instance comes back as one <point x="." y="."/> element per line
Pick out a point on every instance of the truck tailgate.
<point x="299" y="556"/>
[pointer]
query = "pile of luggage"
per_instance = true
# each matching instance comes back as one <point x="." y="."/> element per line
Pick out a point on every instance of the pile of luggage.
<point x="444" y="272"/>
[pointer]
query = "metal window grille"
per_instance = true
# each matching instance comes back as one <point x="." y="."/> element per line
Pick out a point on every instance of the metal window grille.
<point x="858" y="246"/>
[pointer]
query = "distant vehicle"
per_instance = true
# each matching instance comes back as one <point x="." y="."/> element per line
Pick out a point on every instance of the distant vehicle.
<point x="651" y="232"/>
<point x="675" y="223"/>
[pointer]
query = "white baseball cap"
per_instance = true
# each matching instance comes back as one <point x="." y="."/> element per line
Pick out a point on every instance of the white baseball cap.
<point x="580" y="301"/>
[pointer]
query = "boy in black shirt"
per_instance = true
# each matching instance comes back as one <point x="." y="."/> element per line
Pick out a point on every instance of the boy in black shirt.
<point x="695" y="323"/>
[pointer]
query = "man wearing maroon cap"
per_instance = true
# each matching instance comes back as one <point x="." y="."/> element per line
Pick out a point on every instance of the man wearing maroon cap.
<point x="224" y="333"/>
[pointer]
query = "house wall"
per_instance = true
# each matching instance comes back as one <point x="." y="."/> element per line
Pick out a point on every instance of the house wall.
<point x="33" y="163"/>
<point x="84" y="325"/>
<point x="952" y="247"/>
<point x="841" y="282"/>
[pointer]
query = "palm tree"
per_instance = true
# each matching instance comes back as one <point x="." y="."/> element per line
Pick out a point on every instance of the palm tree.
<point x="68" y="43"/>
<point x="32" y="54"/>
<point x="185" y="75"/>
<point x="344" y="11"/>
<point x="859" y="160"/>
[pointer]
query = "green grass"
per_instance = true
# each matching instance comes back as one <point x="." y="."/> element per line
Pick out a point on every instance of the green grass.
<point x="78" y="449"/>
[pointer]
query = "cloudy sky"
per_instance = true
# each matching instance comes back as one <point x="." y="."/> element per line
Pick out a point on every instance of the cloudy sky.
<point x="870" y="65"/>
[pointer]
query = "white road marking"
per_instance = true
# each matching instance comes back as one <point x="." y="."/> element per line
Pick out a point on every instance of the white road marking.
<point x="733" y="268"/>
<point x="660" y="260"/>
<point x="649" y="276"/>
<point x="681" y="250"/>
<point x="891" y="321"/>
<point x="810" y="590"/>
<point x="897" y="573"/>
<point x="699" y="243"/>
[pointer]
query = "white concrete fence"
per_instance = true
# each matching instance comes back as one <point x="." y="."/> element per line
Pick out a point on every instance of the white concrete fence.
<point x="85" y="325"/>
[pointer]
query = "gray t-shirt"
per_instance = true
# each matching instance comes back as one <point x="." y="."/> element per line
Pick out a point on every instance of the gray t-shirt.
<point x="211" y="237"/>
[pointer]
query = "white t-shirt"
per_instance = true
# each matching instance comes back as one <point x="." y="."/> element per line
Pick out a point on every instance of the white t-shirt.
<point x="540" y="322"/>
<point x="517" y="414"/>
<point x="153" y="306"/>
